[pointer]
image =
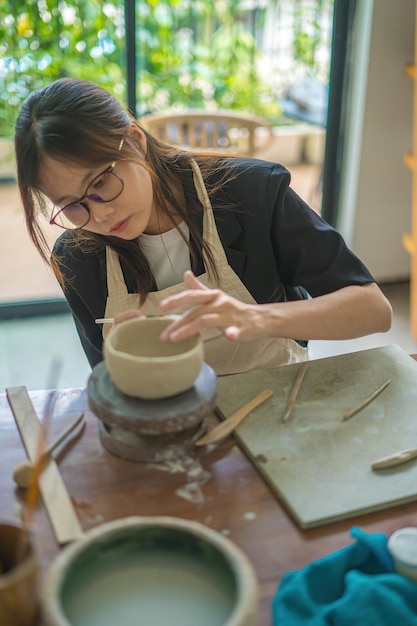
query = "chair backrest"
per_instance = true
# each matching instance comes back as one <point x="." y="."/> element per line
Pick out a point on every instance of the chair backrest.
<point x="219" y="131"/>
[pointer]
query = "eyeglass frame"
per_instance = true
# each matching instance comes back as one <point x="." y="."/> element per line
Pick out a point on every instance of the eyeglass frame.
<point x="110" y="169"/>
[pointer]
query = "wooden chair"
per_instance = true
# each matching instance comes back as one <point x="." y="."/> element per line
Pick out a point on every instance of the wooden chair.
<point x="219" y="131"/>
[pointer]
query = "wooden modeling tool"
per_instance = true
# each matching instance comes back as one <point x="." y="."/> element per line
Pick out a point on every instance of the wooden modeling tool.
<point x="23" y="473"/>
<point x="110" y="320"/>
<point x="57" y="502"/>
<point x="224" y="429"/>
<point x="395" y="459"/>
<point x="365" y="403"/>
<point x="294" y="392"/>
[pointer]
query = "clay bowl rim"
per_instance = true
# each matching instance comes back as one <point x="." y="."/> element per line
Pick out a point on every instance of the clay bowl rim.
<point x="25" y="566"/>
<point x="247" y="590"/>
<point x="179" y="356"/>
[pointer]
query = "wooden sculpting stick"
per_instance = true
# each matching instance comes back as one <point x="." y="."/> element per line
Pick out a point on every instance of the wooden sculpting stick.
<point x="294" y="392"/>
<point x="55" y="496"/>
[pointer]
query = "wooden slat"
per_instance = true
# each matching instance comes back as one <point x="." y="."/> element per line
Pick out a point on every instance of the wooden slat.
<point x="408" y="243"/>
<point x="410" y="160"/>
<point x="205" y="141"/>
<point x="57" y="502"/>
<point x="192" y="136"/>
<point x="410" y="70"/>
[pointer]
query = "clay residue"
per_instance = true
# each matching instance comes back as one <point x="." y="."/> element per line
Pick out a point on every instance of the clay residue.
<point x="196" y="476"/>
<point x="86" y="511"/>
<point x="191" y="492"/>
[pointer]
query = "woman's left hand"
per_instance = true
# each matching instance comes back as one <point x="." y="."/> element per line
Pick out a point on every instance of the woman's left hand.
<point x="212" y="308"/>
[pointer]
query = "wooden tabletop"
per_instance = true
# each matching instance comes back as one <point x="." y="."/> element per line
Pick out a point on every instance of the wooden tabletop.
<point x="218" y="487"/>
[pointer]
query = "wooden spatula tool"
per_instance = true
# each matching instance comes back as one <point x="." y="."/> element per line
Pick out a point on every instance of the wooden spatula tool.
<point x="55" y="496"/>
<point x="224" y="429"/>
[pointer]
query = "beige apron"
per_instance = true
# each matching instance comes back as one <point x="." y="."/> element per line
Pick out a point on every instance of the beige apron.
<point x="224" y="356"/>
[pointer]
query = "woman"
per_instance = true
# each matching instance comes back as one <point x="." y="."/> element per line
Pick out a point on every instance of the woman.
<point x="263" y="273"/>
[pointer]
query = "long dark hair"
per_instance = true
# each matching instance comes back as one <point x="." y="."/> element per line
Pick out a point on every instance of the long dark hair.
<point x="76" y="121"/>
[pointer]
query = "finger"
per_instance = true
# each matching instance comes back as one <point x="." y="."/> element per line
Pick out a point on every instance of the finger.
<point x="188" y="298"/>
<point x="175" y="326"/>
<point x="193" y="326"/>
<point x="192" y="281"/>
<point x="126" y="315"/>
<point x="232" y="332"/>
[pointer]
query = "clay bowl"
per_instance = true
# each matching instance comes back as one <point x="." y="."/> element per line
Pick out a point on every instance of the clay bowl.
<point x="143" y="366"/>
<point x="19" y="602"/>
<point x="151" y="570"/>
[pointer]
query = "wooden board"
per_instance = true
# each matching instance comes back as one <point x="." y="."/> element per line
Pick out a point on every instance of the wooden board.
<point x="318" y="465"/>
<point x="56" y="499"/>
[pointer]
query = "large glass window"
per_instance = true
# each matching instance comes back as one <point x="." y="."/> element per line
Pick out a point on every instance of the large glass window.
<point x="40" y="41"/>
<point x="269" y="57"/>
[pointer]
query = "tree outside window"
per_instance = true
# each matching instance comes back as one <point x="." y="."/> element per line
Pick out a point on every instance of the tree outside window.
<point x="191" y="53"/>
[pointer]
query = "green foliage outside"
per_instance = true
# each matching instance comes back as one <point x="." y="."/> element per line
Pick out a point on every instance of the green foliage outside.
<point x="40" y="42"/>
<point x="191" y="53"/>
<point x="201" y="54"/>
<point x="307" y="30"/>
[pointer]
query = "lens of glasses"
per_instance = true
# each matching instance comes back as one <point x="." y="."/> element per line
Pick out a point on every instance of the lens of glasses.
<point x="72" y="216"/>
<point x="106" y="187"/>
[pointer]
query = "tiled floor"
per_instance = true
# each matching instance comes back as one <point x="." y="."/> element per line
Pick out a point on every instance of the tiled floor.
<point x="31" y="347"/>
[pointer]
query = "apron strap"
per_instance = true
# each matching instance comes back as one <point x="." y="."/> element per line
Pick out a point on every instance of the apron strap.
<point x="211" y="234"/>
<point x="116" y="285"/>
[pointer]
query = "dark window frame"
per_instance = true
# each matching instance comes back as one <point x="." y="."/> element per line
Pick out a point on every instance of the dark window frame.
<point x="343" y="18"/>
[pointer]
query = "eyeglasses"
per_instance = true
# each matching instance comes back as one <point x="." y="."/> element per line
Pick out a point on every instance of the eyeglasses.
<point x="105" y="187"/>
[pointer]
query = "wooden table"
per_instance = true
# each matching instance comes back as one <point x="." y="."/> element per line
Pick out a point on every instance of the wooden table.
<point x="219" y="488"/>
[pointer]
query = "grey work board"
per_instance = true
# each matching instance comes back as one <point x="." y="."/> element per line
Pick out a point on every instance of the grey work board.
<point x="318" y="465"/>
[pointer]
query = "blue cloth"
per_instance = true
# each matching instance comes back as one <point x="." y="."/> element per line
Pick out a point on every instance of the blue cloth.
<point x="354" y="586"/>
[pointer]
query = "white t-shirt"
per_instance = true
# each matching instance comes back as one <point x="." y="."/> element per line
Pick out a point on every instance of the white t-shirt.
<point x="168" y="255"/>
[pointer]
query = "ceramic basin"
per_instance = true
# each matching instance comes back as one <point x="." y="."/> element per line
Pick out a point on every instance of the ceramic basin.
<point x="151" y="570"/>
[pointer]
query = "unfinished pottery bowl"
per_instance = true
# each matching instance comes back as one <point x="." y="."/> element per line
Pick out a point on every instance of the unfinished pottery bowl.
<point x="151" y="570"/>
<point x="143" y="366"/>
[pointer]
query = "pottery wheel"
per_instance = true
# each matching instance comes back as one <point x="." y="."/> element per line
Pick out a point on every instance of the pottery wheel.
<point x="150" y="430"/>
